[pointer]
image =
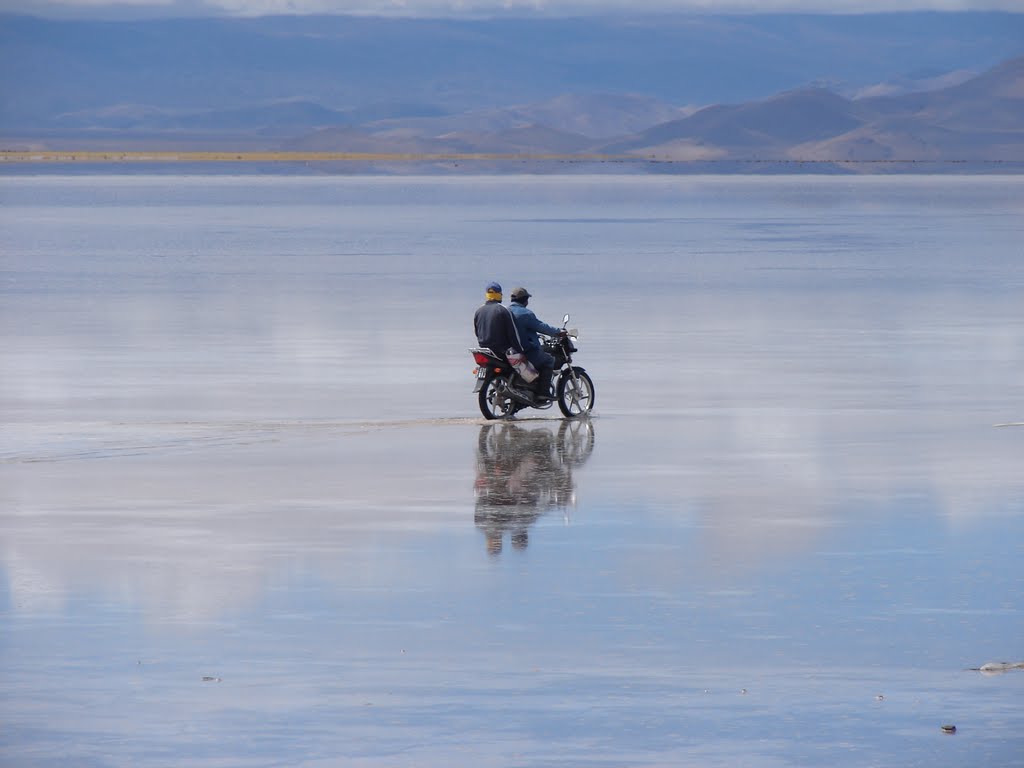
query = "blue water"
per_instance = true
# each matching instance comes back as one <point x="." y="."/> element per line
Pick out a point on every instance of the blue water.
<point x="239" y="442"/>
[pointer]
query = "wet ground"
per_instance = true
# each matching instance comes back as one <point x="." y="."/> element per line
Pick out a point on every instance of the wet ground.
<point x="250" y="516"/>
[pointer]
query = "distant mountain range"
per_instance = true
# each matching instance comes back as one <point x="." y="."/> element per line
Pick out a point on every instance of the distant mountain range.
<point x="981" y="119"/>
<point x="701" y="88"/>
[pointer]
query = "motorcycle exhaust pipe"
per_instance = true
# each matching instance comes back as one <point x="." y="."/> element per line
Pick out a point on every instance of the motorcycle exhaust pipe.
<point x="518" y="396"/>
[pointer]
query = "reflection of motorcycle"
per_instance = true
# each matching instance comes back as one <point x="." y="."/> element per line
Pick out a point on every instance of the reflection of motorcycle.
<point x="522" y="473"/>
<point x="502" y="391"/>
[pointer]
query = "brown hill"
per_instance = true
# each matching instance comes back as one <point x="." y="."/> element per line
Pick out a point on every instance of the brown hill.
<point x="981" y="119"/>
<point x="765" y="128"/>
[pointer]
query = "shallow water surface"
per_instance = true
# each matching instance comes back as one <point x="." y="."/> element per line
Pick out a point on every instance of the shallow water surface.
<point x="250" y="515"/>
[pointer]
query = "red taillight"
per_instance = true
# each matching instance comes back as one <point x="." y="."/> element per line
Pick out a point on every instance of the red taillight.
<point x="481" y="358"/>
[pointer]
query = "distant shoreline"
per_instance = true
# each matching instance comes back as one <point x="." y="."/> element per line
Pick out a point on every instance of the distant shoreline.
<point x="136" y="156"/>
<point x="497" y="162"/>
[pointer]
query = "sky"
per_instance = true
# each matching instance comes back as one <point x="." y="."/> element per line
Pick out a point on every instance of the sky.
<point x="455" y="8"/>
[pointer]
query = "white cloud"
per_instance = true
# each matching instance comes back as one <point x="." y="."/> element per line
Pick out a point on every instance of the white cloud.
<point x="482" y="7"/>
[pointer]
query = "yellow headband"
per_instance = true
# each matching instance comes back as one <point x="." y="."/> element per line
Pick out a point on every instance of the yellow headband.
<point x="493" y="296"/>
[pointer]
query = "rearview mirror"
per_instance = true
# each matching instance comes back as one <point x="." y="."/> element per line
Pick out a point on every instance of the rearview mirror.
<point x="565" y="320"/>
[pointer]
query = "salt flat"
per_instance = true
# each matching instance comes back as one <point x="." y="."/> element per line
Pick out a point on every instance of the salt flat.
<point x="251" y="516"/>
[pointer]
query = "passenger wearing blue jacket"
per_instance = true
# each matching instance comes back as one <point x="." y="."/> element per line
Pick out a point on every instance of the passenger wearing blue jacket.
<point x="529" y="325"/>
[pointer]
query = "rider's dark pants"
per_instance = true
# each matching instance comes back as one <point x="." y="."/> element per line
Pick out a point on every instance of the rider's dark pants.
<point x="545" y="365"/>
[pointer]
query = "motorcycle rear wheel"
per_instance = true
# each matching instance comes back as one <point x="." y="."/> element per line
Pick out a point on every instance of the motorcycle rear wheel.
<point x="495" y="401"/>
<point x="576" y="395"/>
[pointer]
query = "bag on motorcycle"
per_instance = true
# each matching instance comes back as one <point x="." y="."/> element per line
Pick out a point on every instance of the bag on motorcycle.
<point x="522" y="366"/>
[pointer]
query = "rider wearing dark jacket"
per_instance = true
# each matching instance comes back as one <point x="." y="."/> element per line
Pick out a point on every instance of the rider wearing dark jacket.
<point x="494" y="326"/>
<point x="529" y="325"/>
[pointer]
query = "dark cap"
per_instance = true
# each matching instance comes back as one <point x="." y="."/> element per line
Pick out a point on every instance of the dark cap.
<point x="493" y="288"/>
<point x="520" y="293"/>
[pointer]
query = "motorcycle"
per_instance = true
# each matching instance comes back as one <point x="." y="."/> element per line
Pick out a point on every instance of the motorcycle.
<point x="502" y="392"/>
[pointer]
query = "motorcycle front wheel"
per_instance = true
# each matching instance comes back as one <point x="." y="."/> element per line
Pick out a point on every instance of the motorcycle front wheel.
<point x="575" y="394"/>
<point x="495" y="401"/>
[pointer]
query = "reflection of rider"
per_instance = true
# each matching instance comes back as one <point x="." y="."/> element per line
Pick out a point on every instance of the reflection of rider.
<point x="529" y="325"/>
<point x="521" y="473"/>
